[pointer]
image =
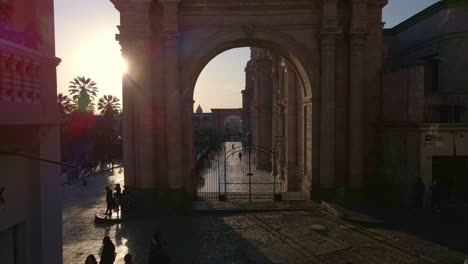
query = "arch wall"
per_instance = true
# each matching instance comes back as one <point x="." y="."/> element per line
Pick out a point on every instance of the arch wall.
<point x="334" y="47"/>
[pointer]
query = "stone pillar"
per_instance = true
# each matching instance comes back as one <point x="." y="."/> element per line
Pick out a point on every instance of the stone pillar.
<point x="188" y="143"/>
<point x="291" y="125"/>
<point x="175" y="152"/>
<point x="49" y="199"/>
<point x="281" y="106"/>
<point x="264" y="102"/>
<point x="356" y="95"/>
<point x="135" y="36"/>
<point x="275" y="115"/>
<point x="329" y="34"/>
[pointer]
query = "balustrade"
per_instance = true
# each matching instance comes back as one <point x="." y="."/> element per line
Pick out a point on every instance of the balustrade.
<point x="19" y="74"/>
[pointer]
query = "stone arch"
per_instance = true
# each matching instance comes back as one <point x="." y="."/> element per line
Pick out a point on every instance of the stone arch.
<point x="335" y="48"/>
<point x="206" y="49"/>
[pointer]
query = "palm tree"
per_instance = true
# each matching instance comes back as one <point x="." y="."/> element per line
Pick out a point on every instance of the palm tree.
<point x="65" y="104"/>
<point x="109" y="105"/>
<point x="83" y="90"/>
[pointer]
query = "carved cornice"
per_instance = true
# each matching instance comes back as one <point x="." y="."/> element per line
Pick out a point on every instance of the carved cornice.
<point x="377" y="3"/>
<point x="244" y="3"/>
<point x="121" y="4"/>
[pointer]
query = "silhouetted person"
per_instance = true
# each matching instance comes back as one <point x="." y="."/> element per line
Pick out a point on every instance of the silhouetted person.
<point x="128" y="259"/>
<point x="109" y="200"/>
<point x="418" y="191"/>
<point x="435" y="197"/>
<point x="91" y="260"/>
<point x="157" y="253"/>
<point x="108" y="251"/>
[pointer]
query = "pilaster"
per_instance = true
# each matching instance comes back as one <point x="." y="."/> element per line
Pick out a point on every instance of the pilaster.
<point x="358" y="33"/>
<point x="135" y="37"/>
<point x="275" y="114"/>
<point x="291" y="126"/>
<point x="329" y="33"/>
<point x="174" y="109"/>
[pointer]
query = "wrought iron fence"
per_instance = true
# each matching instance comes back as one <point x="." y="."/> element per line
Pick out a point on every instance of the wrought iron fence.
<point x="247" y="172"/>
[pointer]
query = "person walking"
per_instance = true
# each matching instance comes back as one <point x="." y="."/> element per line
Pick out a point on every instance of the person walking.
<point x="435" y="196"/>
<point x="157" y="253"/>
<point x="108" y="251"/>
<point x="109" y="200"/>
<point x="117" y="197"/>
<point x="418" y="191"/>
<point x="91" y="259"/>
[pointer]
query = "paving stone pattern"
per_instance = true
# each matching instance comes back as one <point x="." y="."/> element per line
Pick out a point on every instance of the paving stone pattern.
<point x="296" y="236"/>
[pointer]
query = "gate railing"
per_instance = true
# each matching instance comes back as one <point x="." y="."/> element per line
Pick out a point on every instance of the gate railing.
<point x="248" y="172"/>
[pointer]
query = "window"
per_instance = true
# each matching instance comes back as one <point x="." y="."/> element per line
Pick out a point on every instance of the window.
<point x="431" y="75"/>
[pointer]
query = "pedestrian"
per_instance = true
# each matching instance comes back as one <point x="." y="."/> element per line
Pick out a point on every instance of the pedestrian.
<point x="240" y="155"/>
<point x="128" y="259"/>
<point x="117" y="197"/>
<point x="418" y="191"/>
<point x="435" y="196"/>
<point x="157" y="250"/>
<point x="91" y="259"/>
<point x="109" y="200"/>
<point x="108" y="251"/>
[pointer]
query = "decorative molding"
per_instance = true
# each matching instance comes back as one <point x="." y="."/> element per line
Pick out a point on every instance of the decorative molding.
<point x="244" y="3"/>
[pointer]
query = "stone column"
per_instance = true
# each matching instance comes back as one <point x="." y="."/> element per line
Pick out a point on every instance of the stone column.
<point x="188" y="143"/>
<point x="264" y="102"/>
<point x="275" y="116"/>
<point x="291" y="125"/>
<point x="280" y="105"/>
<point x="329" y="34"/>
<point x="175" y="151"/>
<point x="135" y="36"/>
<point x="356" y="95"/>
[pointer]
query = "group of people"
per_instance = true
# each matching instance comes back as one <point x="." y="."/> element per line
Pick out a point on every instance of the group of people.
<point x="118" y="200"/>
<point x="157" y="254"/>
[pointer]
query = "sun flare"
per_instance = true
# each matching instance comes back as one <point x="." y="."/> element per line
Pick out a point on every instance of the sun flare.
<point x="123" y="65"/>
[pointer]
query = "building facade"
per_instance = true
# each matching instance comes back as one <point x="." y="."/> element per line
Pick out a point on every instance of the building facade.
<point x="30" y="202"/>
<point x="424" y="114"/>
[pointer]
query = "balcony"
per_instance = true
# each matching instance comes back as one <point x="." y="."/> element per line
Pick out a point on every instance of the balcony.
<point x="27" y="94"/>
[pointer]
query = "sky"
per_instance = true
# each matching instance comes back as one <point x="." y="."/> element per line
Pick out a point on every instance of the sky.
<point x="85" y="41"/>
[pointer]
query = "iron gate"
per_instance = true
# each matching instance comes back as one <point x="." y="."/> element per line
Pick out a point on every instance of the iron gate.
<point x="248" y="172"/>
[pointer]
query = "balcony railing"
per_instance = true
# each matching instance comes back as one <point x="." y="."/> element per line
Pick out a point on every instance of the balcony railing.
<point x="19" y="73"/>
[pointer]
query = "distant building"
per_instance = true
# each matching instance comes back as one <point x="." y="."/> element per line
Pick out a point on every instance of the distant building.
<point x="425" y="112"/>
<point x="202" y="121"/>
<point x="30" y="201"/>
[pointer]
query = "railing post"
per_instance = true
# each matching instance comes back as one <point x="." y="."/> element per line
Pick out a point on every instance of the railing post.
<point x="250" y="169"/>
<point x="219" y="177"/>
<point x="225" y="171"/>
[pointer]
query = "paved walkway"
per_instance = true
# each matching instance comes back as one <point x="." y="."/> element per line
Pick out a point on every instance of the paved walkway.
<point x="306" y="234"/>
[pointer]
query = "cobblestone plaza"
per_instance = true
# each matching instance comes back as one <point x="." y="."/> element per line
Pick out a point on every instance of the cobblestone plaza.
<point x="297" y="236"/>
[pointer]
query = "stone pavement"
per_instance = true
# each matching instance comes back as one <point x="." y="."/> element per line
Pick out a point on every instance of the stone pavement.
<point x="299" y="235"/>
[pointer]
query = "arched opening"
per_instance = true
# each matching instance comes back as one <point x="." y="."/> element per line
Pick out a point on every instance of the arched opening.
<point x="273" y="118"/>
